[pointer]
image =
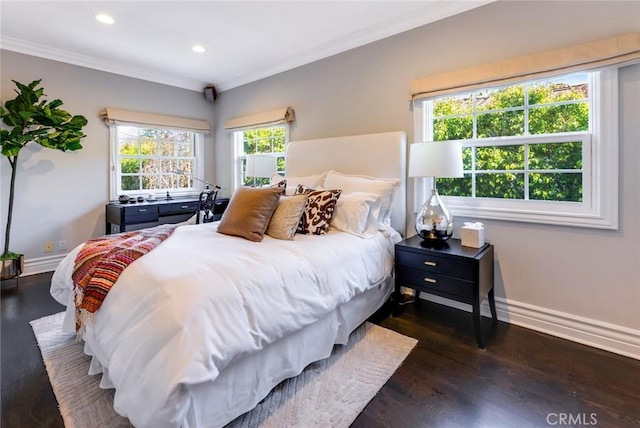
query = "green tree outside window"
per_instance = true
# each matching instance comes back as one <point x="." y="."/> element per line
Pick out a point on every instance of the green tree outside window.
<point x="552" y="170"/>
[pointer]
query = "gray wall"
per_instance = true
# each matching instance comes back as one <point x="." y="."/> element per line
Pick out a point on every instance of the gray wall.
<point x="585" y="276"/>
<point x="61" y="196"/>
<point x="557" y="279"/>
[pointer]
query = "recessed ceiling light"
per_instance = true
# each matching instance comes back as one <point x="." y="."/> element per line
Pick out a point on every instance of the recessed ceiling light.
<point x="105" y="19"/>
<point x="198" y="48"/>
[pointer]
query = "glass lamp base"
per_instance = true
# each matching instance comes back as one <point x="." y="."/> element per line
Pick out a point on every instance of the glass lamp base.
<point x="434" y="222"/>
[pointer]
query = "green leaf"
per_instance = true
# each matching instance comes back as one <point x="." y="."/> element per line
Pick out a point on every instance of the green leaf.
<point x="9" y="256"/>
<point x="9" y="120"/>
<point x="55" y="104"/>
<point x="32" y="84"/>
<point x="42" y="120"/>
<point x="25" y="115"/>
<point x="78" y="122"/>
<point x="74" y="145"/>
<point x="24" y="88"/>
<point x="60" y="116"/>
<point x="17" y="134"/>
<point x="10" y="149"/>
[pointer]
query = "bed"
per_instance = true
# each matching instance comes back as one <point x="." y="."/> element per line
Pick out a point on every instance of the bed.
<point x="199" y="330"/>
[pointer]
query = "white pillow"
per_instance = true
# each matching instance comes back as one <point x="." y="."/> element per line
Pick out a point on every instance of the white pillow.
<point x="385" y="188"/>
<point x="357" y="213"/>
<point x="312" y="181"/>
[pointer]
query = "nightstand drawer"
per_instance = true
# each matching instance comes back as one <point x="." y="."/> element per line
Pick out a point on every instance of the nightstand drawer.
<point x="432" y="282"/>
<point x="439" y="265"/>
<point x="140" y="214"/>
<point x="178" y="208"/>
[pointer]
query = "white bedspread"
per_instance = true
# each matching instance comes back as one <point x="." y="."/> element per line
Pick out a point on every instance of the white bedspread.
<point x="199" y="301"/>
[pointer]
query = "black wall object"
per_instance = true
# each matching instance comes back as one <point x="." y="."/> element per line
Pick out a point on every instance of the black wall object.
<point x="210" y="93"/>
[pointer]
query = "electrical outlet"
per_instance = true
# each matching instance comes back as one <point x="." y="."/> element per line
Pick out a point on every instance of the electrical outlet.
<point x="62" y="245"/>
<point x="48" y="246"/>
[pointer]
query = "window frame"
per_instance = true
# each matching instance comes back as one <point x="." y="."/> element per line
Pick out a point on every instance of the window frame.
<point x="599" y="208"/>
<point x="237" y="139"/>
<point x="115" y="166"/>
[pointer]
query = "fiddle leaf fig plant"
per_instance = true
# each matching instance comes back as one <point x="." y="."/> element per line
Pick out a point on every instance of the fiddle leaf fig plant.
<point x="29" y="118"/>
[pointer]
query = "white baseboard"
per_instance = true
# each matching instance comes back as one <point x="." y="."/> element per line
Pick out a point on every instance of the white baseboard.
<point x="42" y="264"/>
<point x="610" y="337"/>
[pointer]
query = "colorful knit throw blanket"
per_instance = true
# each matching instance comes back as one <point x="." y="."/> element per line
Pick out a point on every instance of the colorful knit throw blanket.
<point x="101" y="261"/>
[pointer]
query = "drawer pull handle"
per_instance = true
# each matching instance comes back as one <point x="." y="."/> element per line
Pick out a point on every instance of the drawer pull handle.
<point x="142" y="210"/>
<point x="431" y="280"/>
<point x="184" y="206"/>
<point x="428" y="263"/>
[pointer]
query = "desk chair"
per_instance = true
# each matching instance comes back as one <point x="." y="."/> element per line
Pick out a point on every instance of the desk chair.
<point x="205" y="205"/>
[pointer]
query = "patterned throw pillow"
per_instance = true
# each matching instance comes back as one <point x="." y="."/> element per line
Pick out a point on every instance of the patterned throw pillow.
<point x="318" y="210"/>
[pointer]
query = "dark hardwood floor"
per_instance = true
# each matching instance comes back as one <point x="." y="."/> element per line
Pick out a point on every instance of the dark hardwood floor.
<point x="27" y="397"/>
<point x="522" y="379"/>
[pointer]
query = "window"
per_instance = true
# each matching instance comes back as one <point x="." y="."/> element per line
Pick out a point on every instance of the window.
<point x="270" y="140"/>
<point x="155" y="160"/>
<point x="542" y="151"/>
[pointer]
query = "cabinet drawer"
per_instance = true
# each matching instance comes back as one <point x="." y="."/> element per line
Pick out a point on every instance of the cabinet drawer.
<point x="433" y="282"/>
<point x="140" y="214"/>
<point x="436" y="265"/>
<point x="178" y="207"/>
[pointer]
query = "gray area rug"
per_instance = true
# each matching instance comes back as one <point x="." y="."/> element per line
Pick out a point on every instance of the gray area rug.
<point x="328" y="393"/>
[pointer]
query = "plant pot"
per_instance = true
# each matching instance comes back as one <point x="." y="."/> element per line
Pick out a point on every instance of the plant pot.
<point x="11" y="268"/>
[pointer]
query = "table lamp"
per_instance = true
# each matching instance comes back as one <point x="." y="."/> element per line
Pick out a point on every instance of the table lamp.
<point x="434" y="222"/>
<point x="261" y="166"/>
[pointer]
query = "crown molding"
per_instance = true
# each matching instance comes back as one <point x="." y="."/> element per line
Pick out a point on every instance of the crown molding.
<point x="42" y="51"/>
<point x="431" y="12"/>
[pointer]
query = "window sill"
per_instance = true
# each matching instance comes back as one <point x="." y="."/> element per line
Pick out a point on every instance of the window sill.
<point x="574" y="215"/>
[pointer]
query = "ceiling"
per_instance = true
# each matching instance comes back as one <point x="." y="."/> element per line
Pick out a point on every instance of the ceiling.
<point x="244" y="41"/>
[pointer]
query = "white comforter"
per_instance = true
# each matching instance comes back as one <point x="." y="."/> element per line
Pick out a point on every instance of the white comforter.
<point x="199" y="301"/>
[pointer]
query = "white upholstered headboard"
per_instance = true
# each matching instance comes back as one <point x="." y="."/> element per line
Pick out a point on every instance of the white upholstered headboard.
<point x="377" y="155"/>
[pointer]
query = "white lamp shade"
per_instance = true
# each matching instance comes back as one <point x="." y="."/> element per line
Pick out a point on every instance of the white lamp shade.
<point x="436" y="159"/>
<point x="261" y="166"/>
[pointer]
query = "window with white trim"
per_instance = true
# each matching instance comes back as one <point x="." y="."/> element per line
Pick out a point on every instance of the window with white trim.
<point x="540" y="151"/>
<point x="271" y="140"/>
<point x="147" y="160"/>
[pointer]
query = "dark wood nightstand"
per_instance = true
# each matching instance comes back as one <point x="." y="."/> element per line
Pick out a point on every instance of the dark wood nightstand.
<point x="448" y="270"/>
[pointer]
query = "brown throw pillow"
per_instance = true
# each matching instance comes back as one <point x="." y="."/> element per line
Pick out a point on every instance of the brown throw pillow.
<point x="286" y="217"/>
<point x="249" y="212"/>
<point x="318" y="210"/>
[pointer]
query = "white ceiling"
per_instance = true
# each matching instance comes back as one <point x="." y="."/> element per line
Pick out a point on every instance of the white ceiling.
<point x="244" y="41"/>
